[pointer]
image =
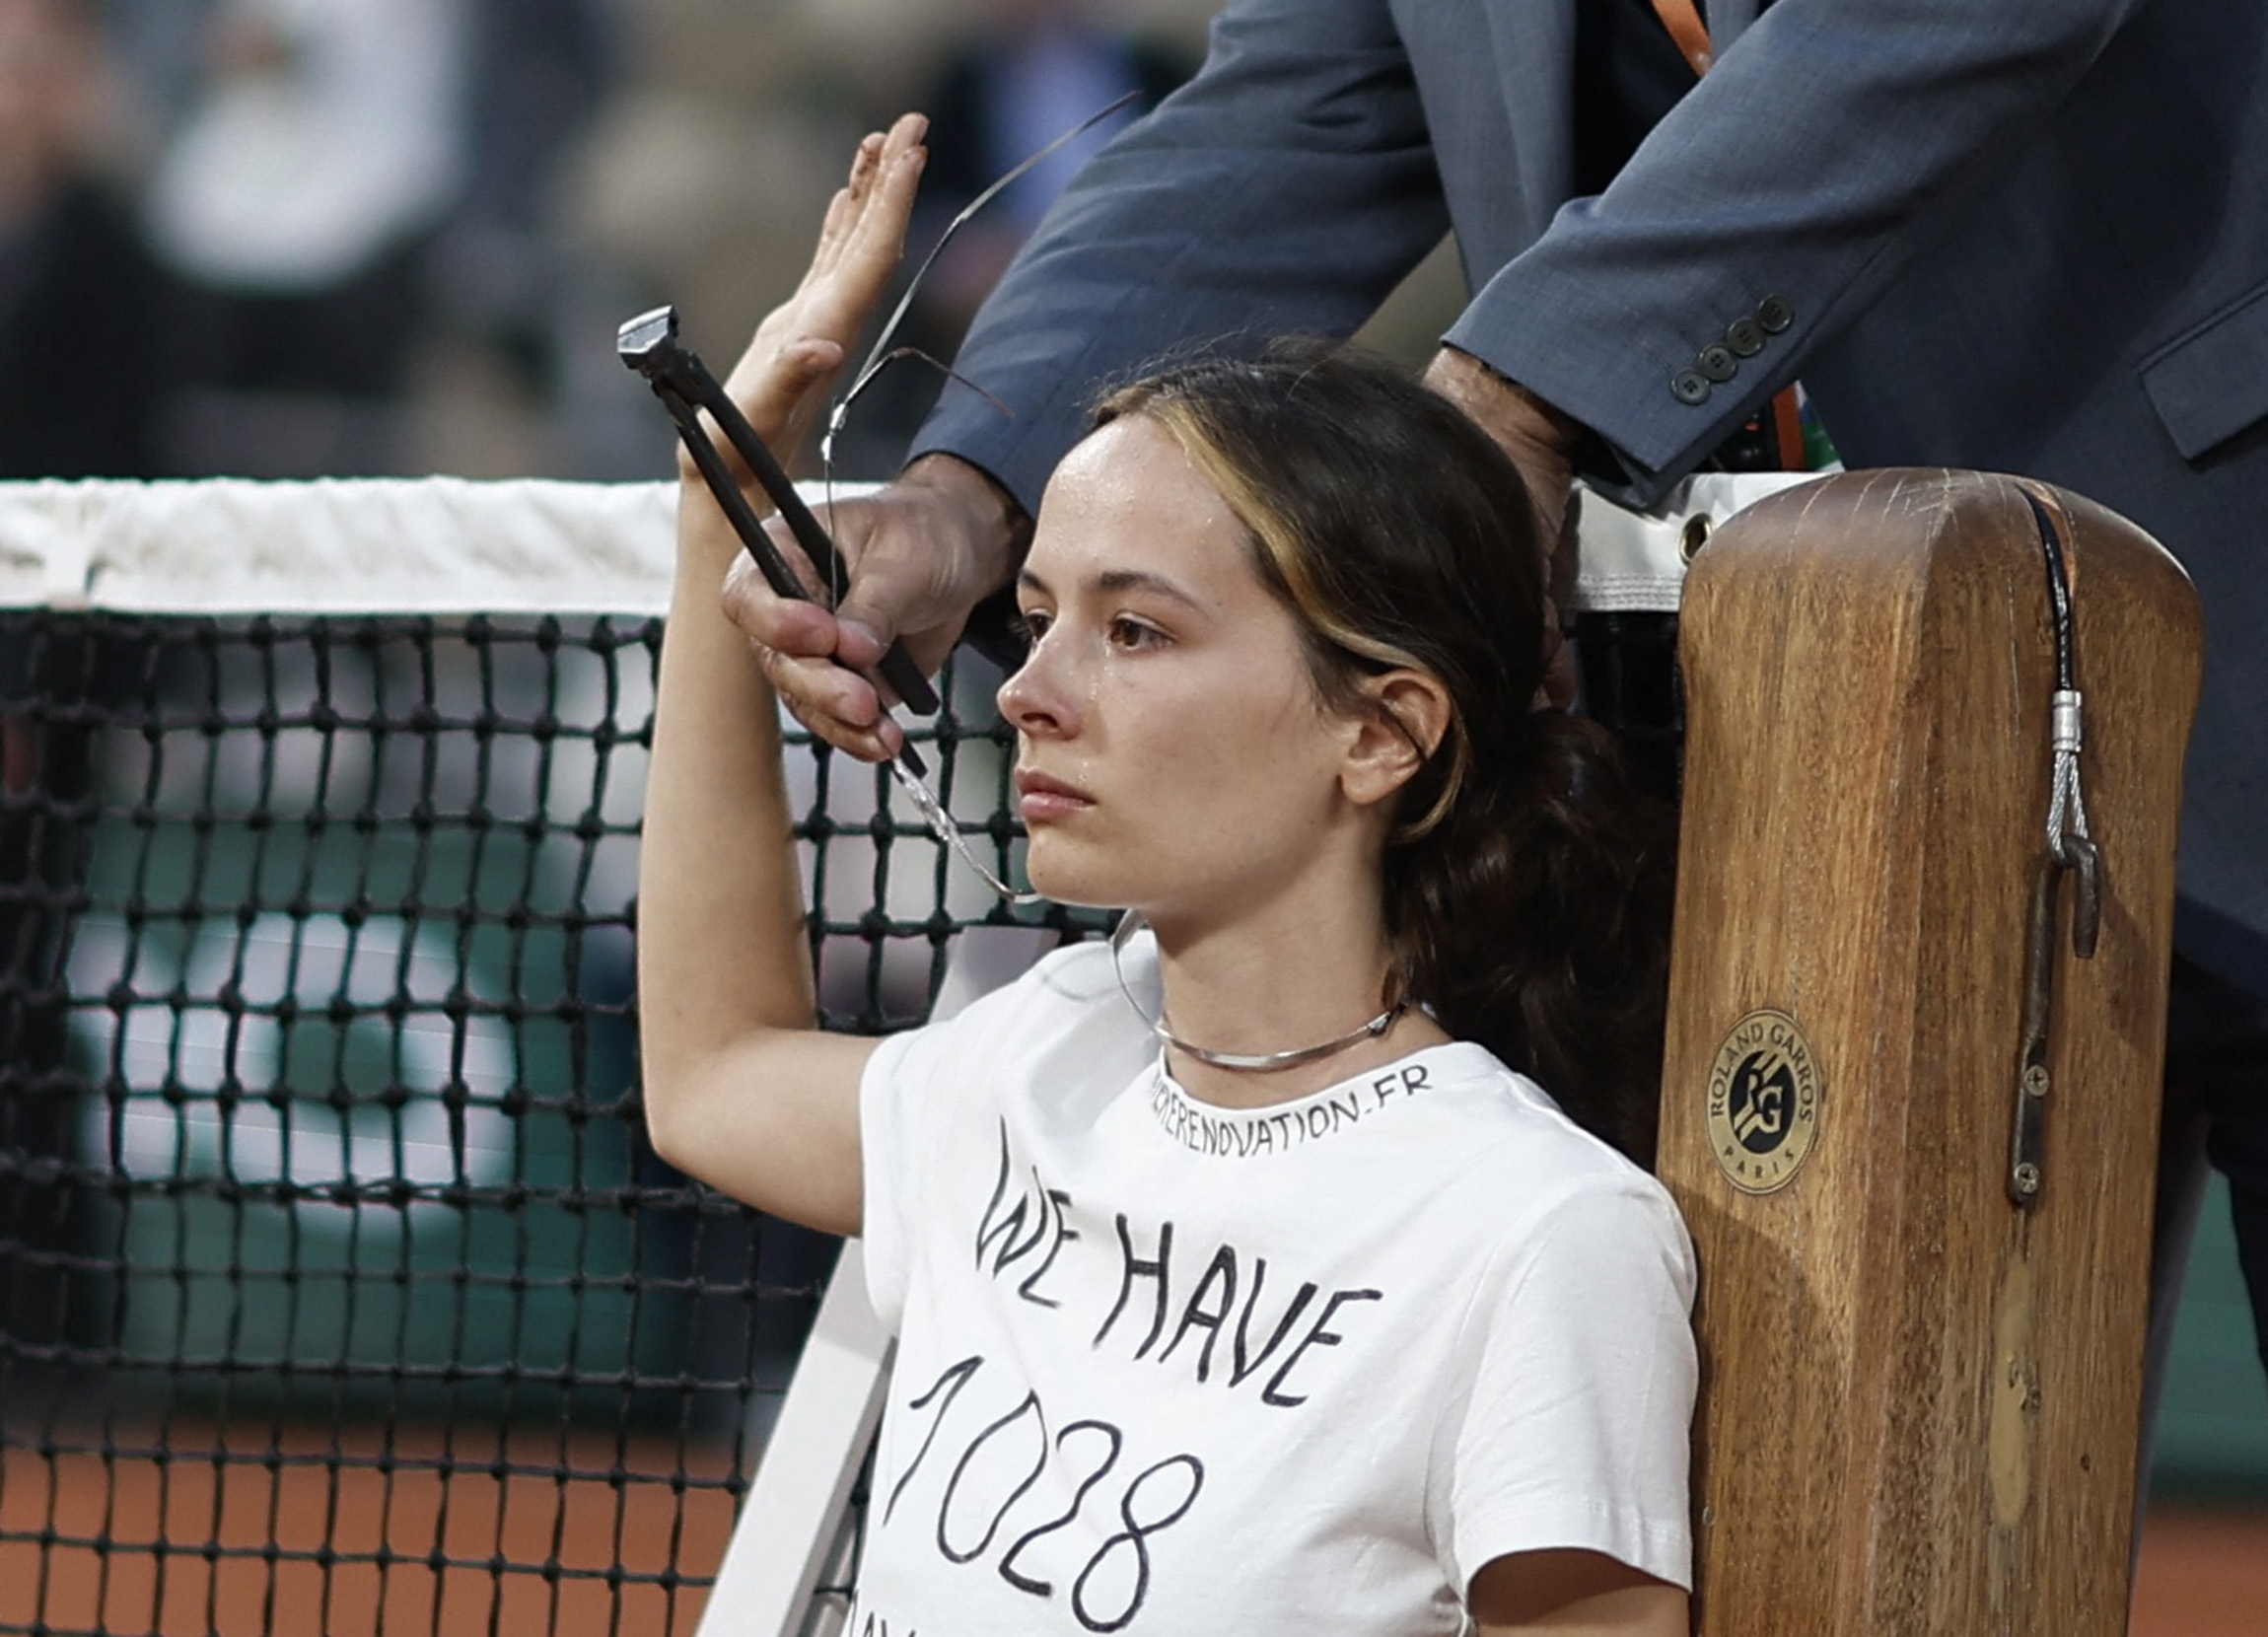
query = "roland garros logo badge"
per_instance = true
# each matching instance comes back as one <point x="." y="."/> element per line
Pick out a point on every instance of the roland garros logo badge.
<point x="1763" y="1102"/>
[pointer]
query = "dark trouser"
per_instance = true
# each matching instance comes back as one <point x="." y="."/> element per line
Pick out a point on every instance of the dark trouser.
<point x="2217" y="1116"/>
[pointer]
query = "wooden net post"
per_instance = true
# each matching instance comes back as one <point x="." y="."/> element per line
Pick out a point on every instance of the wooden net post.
<point x="1922" y="1384"/>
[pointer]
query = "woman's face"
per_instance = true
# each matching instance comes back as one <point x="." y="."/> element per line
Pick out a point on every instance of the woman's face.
<point x="1172" y="755"/>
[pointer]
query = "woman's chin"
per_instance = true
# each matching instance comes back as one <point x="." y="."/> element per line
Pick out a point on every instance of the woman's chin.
<point x="1062" y="876"/>
<point x="1072" y="888"/>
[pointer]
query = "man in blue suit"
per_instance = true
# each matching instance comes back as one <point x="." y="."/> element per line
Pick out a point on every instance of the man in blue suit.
<point x="2027" y="237"/>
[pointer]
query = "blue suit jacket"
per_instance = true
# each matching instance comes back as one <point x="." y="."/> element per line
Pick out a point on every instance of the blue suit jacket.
<point x="2030" y="236"/>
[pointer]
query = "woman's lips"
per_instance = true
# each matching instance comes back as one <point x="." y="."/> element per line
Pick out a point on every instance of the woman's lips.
<point x="1041" y="799"/>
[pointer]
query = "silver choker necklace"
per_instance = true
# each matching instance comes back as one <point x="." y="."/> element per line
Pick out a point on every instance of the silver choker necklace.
<point x="1248" y="1062"/>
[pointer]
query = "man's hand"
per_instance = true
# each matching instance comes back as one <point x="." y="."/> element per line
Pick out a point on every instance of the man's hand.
<point x="921" y="552"/>
<point x="1541" y="444"/>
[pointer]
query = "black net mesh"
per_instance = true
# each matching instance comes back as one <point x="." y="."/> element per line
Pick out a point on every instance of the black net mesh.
<point x="338" y="1289"/>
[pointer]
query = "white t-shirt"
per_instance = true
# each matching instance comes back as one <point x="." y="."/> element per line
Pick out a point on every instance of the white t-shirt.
<point x="1170" y="1368"/>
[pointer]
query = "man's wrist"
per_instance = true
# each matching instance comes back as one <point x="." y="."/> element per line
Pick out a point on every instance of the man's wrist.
<point x="1548" y="418"/>
<point x="1498" y="402"/>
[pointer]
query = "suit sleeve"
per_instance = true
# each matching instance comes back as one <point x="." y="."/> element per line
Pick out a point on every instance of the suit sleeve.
<point x="1828" y="145"/>
<point x="1285" y="189"/>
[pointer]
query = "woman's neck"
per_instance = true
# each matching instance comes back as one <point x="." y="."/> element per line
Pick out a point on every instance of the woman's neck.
<point x="1303" y="970"/>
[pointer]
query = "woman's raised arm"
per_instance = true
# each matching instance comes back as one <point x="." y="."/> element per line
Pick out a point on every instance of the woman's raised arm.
<point x="740" y="1088"/>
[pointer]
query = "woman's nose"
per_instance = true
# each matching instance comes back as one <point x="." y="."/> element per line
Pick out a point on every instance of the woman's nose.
<point x="1036" y="698"/>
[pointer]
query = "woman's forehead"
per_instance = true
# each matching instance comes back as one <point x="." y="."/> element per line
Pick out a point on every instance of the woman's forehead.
<point x="1129" y="497"/>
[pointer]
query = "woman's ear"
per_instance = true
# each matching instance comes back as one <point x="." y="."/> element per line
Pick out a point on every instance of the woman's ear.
<point x="1408" y="713"/>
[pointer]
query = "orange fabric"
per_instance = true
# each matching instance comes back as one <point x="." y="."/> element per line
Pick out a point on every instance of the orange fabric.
<point x="1788" y="430"/>
<point x="1683" y="21"/>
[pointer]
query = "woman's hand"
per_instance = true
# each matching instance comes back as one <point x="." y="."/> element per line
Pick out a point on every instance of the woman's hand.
<point x="781" y="385"/>
<point x="780" y="381"/>
<point x="922" y="551"/>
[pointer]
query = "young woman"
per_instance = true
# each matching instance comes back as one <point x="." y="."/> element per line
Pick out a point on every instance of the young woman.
<point x="1240" y="1286"/>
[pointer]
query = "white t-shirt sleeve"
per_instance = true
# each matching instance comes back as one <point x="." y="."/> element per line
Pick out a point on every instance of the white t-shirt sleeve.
<point x="905" y="1087"/>
<point x="1576" y="1432"/>
<point x="888" y="1183"/>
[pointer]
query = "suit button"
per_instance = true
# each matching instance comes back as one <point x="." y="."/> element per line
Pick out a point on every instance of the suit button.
<point x="1745" y="337"/>
<point x="1718" y="362"/>
<point x="1774" y="314"/>
<point x="1690" y="386"/>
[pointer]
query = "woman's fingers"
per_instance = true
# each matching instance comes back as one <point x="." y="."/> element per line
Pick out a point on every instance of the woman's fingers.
<point x="860" y="244"/>
<point x="883" y="191"/>
<point x="865" y="234"/>
<point x="845" y="208"/>
<point x="860" y="217"/>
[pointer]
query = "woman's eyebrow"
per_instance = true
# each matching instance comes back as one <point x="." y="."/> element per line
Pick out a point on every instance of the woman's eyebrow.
<point x="1115" y="580"/>
<point x="1135" y="579"/>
